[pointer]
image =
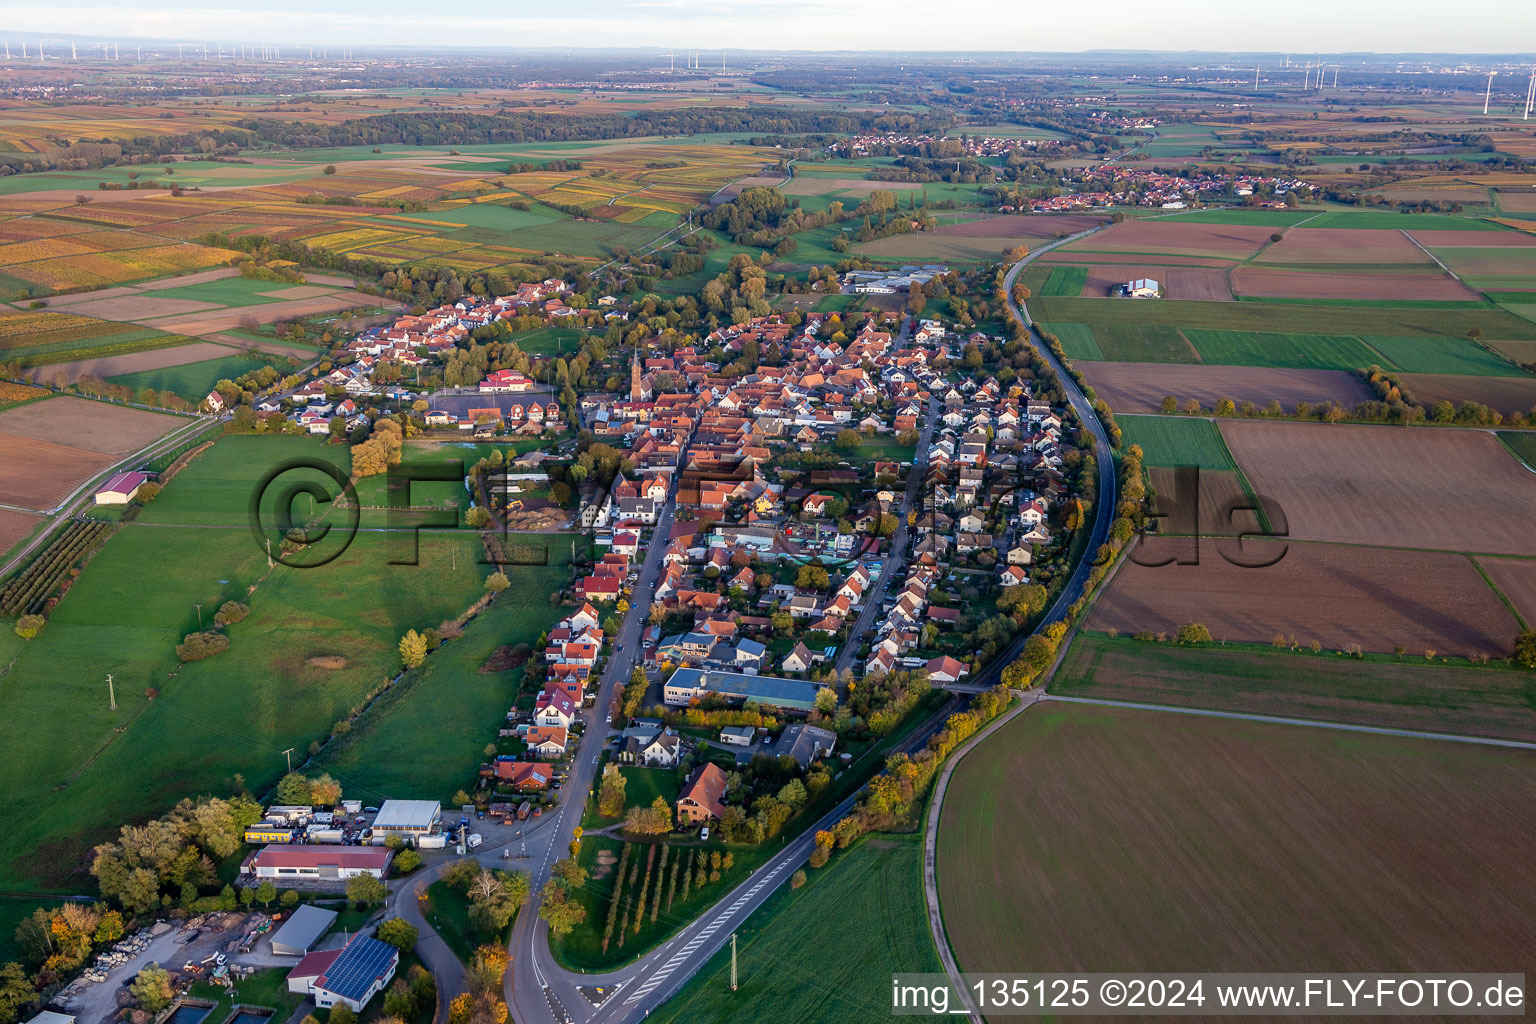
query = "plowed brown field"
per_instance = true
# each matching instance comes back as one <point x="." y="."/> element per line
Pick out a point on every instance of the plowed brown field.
<point x="1140" y="387"/>
<point x="1506" y="394"/>
<point x="1456" y="490"/>
<point x="1085" y="838"/>
<point x="1516" y="580"/>
<point x="1378" y="598"/>
<point x="1342" y="245"/>
<point x="1177" y="238"/>
<point x="1178" y="282"/>
<point x="1272" y="282"/>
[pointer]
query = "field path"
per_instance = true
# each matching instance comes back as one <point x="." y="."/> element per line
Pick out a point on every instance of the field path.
<point x="1431" y="255"/>
<point x="1274" y="720"/>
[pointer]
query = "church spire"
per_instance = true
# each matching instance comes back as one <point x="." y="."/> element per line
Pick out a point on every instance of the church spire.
<point x="636" y="391"/>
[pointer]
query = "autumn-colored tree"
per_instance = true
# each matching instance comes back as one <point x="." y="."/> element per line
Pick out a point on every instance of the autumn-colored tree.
<point x="413" y="649"/>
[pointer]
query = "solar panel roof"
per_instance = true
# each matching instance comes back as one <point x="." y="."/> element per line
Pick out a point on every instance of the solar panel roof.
<point x="360" y="964"/>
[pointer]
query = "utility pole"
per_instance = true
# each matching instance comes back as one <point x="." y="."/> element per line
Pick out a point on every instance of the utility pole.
<point x="269" y="554"/>
<point x="289" y="755"/>
<point x="733" y="961"/>
<point x="111" y="694"/>
<point x="199" y="615"/>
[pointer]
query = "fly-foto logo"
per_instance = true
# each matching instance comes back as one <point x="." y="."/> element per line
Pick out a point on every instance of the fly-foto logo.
<point x="1244" y="528"/>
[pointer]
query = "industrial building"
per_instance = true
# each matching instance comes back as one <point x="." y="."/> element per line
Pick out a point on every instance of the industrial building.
<point x="302" y="930"/>
<point x="409" y="819"/>
<point x="323" y="862"/>
<point x="689" y="684"/>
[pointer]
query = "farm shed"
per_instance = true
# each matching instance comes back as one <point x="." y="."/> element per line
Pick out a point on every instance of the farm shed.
<point x="120" y="488"/>
<point x="301" y="931"/>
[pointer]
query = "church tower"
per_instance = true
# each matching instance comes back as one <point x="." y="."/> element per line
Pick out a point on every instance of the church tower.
<point x="636" y="389"/>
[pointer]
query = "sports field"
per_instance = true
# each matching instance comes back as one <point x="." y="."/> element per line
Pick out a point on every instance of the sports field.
<point x="1176" y="441"/>
<point x="1098" y="839"/>
<point x="1383" y="691"/>
<point x="78" y="770"/>
<point x="874" y="892"/>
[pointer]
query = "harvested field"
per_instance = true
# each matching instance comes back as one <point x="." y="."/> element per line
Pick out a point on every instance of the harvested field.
<point x="1056" y="256"/>
<point x="1388" y="692"/>
<point x="1107" y="839"/>
<point x="1272" y="282"/>
<point x="1021" y="227"/>
<point x="40" y="474"/>
<point x="1516" y="580"/>
<point x="92" y="426"/>
<point x="1405" y="487"/>
<point x="1522" y="352"/>
<point x="1379" y="598"/>
<point x="815" y="185"/>
<point x="1140" y="387"/>
<point x="1208" y="285"/>
<point x="1341" y="245"/>
<point x="1214" y="511"/>
<point x="154" y="359"/>
<point x="140" y="307"/>
<point x="14" y="526"/>
<point x="1506" y="394"/>
<point x="1175" y="238"/>
<point x="1517" y="265"/>
<point x="271" y="312"/>
<point x="1477" y="239"/>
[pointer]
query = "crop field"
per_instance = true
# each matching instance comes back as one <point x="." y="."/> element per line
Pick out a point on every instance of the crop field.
<point x="874" y="891"/>
<point x="51" y="447"/>
<point x="1307" y="245"/>
<point x="1176" y="441"/>
<point x="1324" y="283"/>
<point x="1453" y="356"/>
<point x="107" y="367"/>
<point x="1175" y="238"/>
<point x="1522" y="444"/>
<point x="1300" y="318"/>
<point x="234" y="712"/>
<point x="1385" y="692"/>
<point x="1389" y="485"/>
<point x="1298" y="351"/>
<point x="1101" y="839"/>
<point x="1515" y="579"/>
<point x="194" y="380"/>
<point x="1065" y="281"/>
<point x="14" y="528"/>
<point x="36" y="338"/>
<point x="1373" y="220"/>
<point x="1378" y="598"/>
<point x="1122" y="342"/>
<point x="1140" y="387"/>
<point x="1197" y="283"/>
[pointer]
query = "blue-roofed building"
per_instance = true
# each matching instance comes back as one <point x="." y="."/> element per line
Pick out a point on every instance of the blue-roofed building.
<point x="362" y="969"/>
<point x="689" y="684"/>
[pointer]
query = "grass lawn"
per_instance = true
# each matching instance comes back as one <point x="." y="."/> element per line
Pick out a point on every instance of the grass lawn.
<point x="447" y="910"/>
<point x="264" y="988"/>
<point x="643" y="785"/>
<point x="1381" y="691"/>
<point x="78" y="770"/>
<point x="1176" y="441"/>
<point x="873" y="891"/>
<point x="885" y="449"/>
<point x="1306" y="351"/>
<point x="194" y="380"/>
<point x="550" y="341"/>
<point x="446" y="711"/>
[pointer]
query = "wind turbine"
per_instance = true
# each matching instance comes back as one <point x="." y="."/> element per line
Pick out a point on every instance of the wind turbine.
<point x="1255" y="76"/>
<point x="1530" y="92"/>
<point x="1488" y="95"/>
<point x="72" y="55"/>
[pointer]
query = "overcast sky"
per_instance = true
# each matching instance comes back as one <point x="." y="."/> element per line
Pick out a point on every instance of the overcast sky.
<point x="1475" y="26"/>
